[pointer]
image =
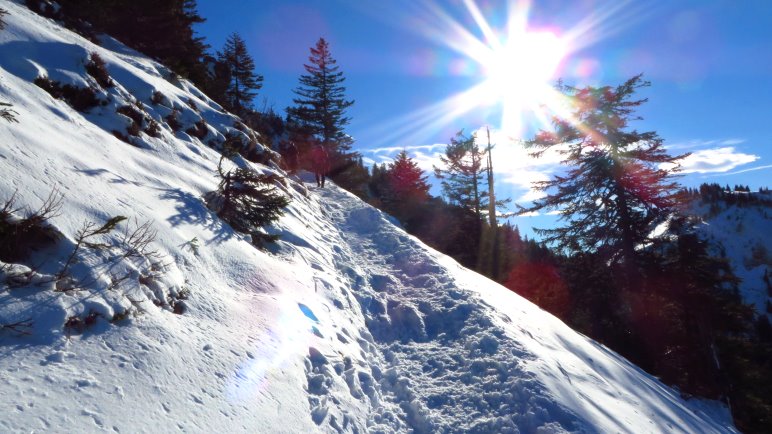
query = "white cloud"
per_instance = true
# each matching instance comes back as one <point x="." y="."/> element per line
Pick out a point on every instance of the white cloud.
<point x="692" y="144"/>
<point x="512" y="163"/>
<point x="715" y="160"/>
<point x="529" y="214"/>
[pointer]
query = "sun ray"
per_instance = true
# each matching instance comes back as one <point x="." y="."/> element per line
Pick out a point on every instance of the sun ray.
<point x="517" y="65"/>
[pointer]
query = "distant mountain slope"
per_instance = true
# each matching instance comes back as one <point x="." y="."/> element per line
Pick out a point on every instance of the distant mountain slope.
<point x="347" y="324"/>
<point x="744" y="230"/>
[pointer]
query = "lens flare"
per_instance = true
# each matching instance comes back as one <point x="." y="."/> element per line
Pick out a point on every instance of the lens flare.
<point x="515" y="66"/>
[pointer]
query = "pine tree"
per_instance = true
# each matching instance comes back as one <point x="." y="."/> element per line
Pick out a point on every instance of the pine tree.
<point x="320" y="105"/>
<point x="243" y="81"/>
<point x="247" y="200"/>
<point x="616" y="188"/>
<point x="407" y="182"/>
<point x="406" y="190"/>
<point x="462" y="175"/>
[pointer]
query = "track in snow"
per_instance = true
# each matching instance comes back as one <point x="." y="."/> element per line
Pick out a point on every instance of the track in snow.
<point x="424" y="330"/>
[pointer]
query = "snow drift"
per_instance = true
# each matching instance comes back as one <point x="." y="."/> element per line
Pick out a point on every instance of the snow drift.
<point x="347" y="324"/>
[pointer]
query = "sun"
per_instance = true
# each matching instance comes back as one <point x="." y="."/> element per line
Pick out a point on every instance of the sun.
<point x="514" y="66"/>
<point x="517" y="64"/>
<point x="518" y="74"/>
<point x="520" y="69"/>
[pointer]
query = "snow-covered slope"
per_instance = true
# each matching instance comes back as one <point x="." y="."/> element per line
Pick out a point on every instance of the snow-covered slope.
<point x="347" y="324"/>
<point x="743" y="234"/>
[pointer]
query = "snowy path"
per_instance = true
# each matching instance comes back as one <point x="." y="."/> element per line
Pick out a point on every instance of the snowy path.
<point x="446" y="365"/>
<point x="441" y="349"/>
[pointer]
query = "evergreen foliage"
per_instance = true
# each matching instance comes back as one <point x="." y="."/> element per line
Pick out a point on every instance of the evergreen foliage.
<point x="3" y="13"/>
<point x="163" y="30"/>
<point x="97" y="69"/>
<point x="20" y="236"/>
<point x="403" y="189"/>
<point x="615" y="190"/>
<point x="462" y="174"/>
<point x="407" y="182"/>
<point x="243" y="82"/>
<point x="80" y="98"/>
<point x="7" y="113"/>
<point x="248" y="201"/>
<point x="321" y="104"/>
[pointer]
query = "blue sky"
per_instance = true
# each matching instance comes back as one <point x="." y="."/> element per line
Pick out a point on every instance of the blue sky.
<point x="406" y="62"/>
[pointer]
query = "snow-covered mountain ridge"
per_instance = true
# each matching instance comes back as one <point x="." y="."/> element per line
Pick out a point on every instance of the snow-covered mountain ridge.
<point x="347" y="324"/>
<point x="741" y="231"/>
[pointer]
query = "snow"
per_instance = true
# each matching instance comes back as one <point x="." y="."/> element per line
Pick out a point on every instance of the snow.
<point x="739" y="231"/>
<point x="347" y="324"/>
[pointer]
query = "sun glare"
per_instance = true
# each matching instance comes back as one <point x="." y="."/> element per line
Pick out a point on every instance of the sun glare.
<point x="521" y="68"/>
<point x="518" y="75"/>
<point x="516" y="64"/>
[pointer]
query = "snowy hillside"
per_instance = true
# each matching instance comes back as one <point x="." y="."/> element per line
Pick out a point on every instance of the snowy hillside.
<point x="745" y="234"/>
<point x="347" y="324"/>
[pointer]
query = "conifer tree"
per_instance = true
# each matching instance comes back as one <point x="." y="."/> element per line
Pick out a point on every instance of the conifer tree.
<point x="462" y="174"/>
<point x="243" y="81"/>
<point x="617" y="186"/>
<point x="247" y="200"/>
<point x="405" y="190"/>
<point x="407" y="182"/>
<point x="321" y="104"/>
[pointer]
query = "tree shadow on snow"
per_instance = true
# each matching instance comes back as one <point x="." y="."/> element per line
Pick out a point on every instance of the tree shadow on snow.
<point x="193" y="211"/>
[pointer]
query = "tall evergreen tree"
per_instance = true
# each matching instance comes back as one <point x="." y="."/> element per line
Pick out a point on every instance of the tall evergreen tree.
<point x="406" y="190"/>
<point x="462" y="174"/>
<point x="321" y="104"/>
<point x="407" y="182"/>
<point x="616" y="188"/>
<point x="243" y="81"/>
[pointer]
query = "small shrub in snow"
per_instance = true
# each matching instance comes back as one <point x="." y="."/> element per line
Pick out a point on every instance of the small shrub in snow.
<point x="83" y="238"/>
<point x="6" y="113"/>
<point x="23" y="327"/>
<point x="248" y="201"/>
<point x="157" y="98"/>
<point x="192" y="104"/>
<point x="123" y="137"/>
<point x="98" y="70"/>
<point x="79" y="98"/>
<point x="133" y="129"/>
<point x="153" y="129"/>
<point x="20" y="236"/>
<point x="173" y="120"/>
<point x="132" y="113"/>
<point x="136" y="243"/>
<point x="193" y="245"/>
<point x="120" y="316"/>
<point x="200" y="130"/>
<point x="3" y="13"/>
<point x="76" y="324"/>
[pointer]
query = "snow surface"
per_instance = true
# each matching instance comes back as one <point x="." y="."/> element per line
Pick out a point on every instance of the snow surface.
<point x="347" y="324"/>
<point x="738" y="231"/>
